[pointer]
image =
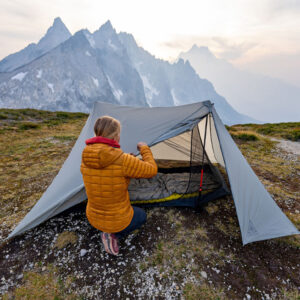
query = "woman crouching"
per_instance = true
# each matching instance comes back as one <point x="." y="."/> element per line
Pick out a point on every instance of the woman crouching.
<point x="106" y="172"/>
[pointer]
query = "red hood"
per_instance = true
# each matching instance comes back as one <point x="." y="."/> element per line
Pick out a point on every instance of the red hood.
<point x="102" y="140"/>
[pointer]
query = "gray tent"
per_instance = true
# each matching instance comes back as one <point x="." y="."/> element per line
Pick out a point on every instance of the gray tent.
<point x="163" y="127"/>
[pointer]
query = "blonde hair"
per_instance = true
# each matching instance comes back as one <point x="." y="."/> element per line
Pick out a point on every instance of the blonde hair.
<point x="107" y="127"/>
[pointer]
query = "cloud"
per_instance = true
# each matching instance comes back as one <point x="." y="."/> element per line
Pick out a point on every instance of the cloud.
<point x="224" y="48"/>
<point x="282" y="6"/>
<point x="230" y="50"/>
<point x="16" y="9"/>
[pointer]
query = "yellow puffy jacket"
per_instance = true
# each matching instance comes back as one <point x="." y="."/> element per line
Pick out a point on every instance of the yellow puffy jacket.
<point x="106" y="174"/>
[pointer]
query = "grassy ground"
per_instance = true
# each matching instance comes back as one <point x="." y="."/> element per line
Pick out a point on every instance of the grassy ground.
<point x="289" y="131"/>
<point x="178" y="254"/>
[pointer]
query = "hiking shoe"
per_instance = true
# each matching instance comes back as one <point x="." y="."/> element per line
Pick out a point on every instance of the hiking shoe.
<point x="110" y="243"/>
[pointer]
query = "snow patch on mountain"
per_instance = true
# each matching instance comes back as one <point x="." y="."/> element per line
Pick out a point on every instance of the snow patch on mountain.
<point x="111" y="45"/>
<point x="96" y="82"/>
<point x="51" y="87"/>
<point x="175" y="99"/>
<point x="20" y="76"/>
<point x="90" y="39"/>
<point x="116" y="92"/>
<point x="150" y="90"/>
<point x="39" y="74"/>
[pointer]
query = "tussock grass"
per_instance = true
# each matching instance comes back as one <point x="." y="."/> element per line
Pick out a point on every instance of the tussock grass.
<point x="30" y="158"/>
<point x="28" y="125"/>
<point x="289" y="130"/>
<point x="65" y="238"/>
<point x="194" y="291"/>
<point x="42" y="285"/>
<point x="26" y="119"/>
<point x="245" y="136"/>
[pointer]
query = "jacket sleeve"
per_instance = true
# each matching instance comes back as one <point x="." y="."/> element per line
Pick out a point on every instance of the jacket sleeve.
<point x="136" y="168"/>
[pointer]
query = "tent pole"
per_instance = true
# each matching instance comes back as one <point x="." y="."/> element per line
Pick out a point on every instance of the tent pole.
<point x="202" y="166"/>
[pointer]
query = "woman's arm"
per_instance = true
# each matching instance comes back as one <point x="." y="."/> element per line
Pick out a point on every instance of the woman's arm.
<point x="136" y="168"/>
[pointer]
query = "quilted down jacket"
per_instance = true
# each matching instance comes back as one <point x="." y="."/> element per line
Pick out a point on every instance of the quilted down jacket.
<point x="106" y="174"/>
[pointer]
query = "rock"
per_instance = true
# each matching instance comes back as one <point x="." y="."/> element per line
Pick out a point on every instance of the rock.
<point x="203" y="274"/>
<point x="83" y="252"/>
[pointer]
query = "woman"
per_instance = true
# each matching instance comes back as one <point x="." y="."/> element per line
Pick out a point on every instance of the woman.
<point x="106" y="172"/>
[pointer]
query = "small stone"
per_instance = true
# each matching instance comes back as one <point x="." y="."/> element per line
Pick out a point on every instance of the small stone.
<point x="83" y="252"/>
<point x="43" y="269"/>
<point x="248" y="296"/>
<point x="203" y="274"/>
<point x="158" y="228"/>
<point x="20" y="276"/>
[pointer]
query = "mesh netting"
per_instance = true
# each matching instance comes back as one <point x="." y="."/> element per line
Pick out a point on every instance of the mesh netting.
<point x="180" y="161"/>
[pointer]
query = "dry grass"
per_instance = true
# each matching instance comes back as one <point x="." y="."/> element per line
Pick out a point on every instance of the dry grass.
<point x="31" y="158"/>
<point x="44" y="285"/>
<point x="65" y="238"/>
<point x="194" y="291"/>
<point x="290" y="131"/>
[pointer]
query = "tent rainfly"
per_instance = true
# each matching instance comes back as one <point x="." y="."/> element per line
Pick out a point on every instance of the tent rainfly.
<point x="194" y="138"/>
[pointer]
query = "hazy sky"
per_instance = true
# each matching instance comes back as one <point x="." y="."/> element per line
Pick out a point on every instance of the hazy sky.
<point x="258" y="35"/>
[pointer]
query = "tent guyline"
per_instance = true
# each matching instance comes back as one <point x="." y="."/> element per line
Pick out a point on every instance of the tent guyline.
<point x="189" y="143"/>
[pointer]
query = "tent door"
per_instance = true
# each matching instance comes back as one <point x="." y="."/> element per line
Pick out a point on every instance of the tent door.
<point x="180" y="160"/>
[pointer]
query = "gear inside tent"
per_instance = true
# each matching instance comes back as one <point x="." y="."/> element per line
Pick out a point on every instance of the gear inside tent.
<point x="187" y="176"/>
<point x="190" y="144"/>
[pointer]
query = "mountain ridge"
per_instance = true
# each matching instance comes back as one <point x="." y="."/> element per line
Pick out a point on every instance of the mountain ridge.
<point x="262" y="97"/>
<point x="105" y="66"/>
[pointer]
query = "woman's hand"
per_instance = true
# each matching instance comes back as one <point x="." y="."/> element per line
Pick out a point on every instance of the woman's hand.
<point x="140" y="144"/>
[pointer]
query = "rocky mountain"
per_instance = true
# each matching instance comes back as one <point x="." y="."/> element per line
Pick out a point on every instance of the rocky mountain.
<point x="73" y="76"/>
<point x="264" y="98"/>
<point x="176" y="84"/>
<point x="55" y="35"/>
<point x="102" y="66"/>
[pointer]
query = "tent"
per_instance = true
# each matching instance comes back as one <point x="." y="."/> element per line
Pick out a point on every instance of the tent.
<point x="191" y="133"/>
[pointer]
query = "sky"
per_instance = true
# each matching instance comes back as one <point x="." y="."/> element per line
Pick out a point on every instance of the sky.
<point x="262" y="36"/>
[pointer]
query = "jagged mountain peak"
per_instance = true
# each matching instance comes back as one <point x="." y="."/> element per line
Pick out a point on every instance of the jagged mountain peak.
<point x="107" y="26"/>
<point x="57" y="33"/>
<point x="58" y="22"/>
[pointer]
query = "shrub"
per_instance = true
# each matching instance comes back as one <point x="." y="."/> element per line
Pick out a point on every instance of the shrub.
<point x="28" y="125"/>
<point x="3" y="116"/>
<point x="294" y="135"/>
<point x="248" y="137"/>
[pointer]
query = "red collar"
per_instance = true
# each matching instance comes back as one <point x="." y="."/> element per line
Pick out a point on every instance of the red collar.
<point x="103" y="140"/>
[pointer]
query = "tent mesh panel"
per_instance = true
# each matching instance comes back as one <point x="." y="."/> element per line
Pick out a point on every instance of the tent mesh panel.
<point x="178" y="180"/>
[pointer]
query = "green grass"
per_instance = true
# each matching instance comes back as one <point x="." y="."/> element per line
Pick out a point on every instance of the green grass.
<point x="26" y="119"/>
<point x="289" y="130"/>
